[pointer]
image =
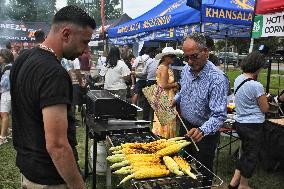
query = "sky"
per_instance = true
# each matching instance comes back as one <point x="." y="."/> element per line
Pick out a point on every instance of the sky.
<point x="133" y="8"/>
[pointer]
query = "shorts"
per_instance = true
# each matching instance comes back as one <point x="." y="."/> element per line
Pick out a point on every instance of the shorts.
<point x="5" y="102"/>
<point x="140" y="84"/>
<point x="27" y="184"/>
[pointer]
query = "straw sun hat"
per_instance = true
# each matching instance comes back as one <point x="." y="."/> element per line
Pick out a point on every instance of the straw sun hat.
<point x="168" y="51"/>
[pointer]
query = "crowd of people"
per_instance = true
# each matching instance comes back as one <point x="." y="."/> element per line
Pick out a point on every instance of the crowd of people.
<point x="43" y="86"/>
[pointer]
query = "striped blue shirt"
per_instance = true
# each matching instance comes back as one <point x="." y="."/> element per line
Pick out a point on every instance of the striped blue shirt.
<point x="203" y="98"/>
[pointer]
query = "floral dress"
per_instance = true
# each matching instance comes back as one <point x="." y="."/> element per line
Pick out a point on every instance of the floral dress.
<point x="169" y="130"/>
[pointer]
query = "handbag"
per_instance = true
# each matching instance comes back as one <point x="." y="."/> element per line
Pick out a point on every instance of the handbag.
<point x="159" y="101"/>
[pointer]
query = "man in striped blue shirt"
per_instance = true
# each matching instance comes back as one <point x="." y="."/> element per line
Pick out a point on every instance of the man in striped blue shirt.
<point x="202" y="98"/>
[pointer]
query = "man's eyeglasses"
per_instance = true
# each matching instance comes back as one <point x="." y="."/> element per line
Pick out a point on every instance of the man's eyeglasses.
<point x="192" y="57"/>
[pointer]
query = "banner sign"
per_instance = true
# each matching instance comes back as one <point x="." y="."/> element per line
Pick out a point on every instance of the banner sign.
<point x="215" y="14"/>
<point x="268" y="25"/>
<point x="174" y="33"/>
<point x="257" y="26"/>
<point x="273" y="25"/>
<point x="21" y="31"/>
<point x="237" y="12"/>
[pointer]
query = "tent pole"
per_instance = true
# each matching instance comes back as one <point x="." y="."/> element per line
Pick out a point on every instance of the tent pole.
<point x="201" y="22"/>
<point x="251" y="39"/>
<point x="121" y="7"/>
<point x="226" y="49"/>
<point x="202" y="29"/>
<point x="251" y="45"/>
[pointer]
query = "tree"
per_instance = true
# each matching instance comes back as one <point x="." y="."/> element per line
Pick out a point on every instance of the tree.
<point x="2" y="9"/>
<point x="111" y="11"/>
<point x="241" y="45"/>
<point x="219" y="45"/>
<point x="32" y="11"/>
<point x="271" y="42"/>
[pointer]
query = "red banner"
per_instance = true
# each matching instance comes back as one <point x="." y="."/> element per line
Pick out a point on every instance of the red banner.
<point x="103" y="15"/>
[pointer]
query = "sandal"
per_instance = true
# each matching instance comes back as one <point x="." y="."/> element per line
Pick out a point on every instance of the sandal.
<point x="3" y="140"/>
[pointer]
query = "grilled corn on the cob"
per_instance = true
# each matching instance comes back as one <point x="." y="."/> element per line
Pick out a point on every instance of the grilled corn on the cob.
<point x="131" y="169"/>
<point x="115" y="148"/>
<point x="172" y="165"/>
<point x="184" y="166"/>
<point x="146" y="173"/>
<point x="116" y="158"/>
<point x="172" y="149"/>
<point x="120" y="164"/>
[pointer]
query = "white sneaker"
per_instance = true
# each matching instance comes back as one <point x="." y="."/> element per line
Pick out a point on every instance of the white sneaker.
<point x="3" y="140"/>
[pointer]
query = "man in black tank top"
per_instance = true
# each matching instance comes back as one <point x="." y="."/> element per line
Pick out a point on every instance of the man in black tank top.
<point x="44" y="134"/>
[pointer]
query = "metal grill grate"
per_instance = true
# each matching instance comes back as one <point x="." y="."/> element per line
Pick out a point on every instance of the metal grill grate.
<point x="183" y="182"/>
<point x="173" y="181"/>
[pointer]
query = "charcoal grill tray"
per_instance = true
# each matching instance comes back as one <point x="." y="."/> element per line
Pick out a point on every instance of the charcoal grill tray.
<point x="173" y="181"/>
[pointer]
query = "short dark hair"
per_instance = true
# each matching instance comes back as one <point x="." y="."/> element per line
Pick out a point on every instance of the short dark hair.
<point x="8" y="45"/>
<point x="75" y="15"/>
<point x="7" y="55"/>
<point x="150" y="51"/>
<point x="253" y="62"/>
<point x="209" y="42"/>
<point x="199" y="38"/>
<point x="39" y="36"/>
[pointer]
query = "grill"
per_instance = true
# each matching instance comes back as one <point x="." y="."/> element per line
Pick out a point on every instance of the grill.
<point x="108" y="115"/>
<point x="102" y="105"/>
<point x="172" y="181"/>
<point x="110" y="118"/>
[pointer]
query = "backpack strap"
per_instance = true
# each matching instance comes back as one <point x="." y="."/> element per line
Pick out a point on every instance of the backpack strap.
<point x="246" y="80"/>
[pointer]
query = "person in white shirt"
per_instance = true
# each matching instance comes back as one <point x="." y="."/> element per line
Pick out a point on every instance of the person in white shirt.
<point x="137" y="70"/>
<point x="149" y="74"/>
<point x="116" y="73"/>
<point x="73" y="69"/>
<point x="101" y="60"/>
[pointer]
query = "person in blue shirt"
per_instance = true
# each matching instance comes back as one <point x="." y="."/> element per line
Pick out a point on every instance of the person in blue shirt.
<point x="202" y="100"/>
<point x="6" y="60"/>
<point x="251" y="105"/>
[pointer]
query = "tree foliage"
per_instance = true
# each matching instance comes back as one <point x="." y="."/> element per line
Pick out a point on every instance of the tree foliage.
<point x="2" y="9"/>
<point x="219" y="45"/>
<point x="111" y="11"/>
<point x="271" y="42"/>
<point x="39" y="10"/>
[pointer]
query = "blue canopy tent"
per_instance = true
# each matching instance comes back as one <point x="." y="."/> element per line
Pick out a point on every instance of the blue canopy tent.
<point x="231" y="18"/>
<point x="161" y="22"/>
<point x="173" y="19"/>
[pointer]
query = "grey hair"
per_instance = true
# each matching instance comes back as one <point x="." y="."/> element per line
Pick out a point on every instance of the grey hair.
<point x="199" y="38"/>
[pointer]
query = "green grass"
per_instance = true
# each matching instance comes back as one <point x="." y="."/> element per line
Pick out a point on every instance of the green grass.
<point x="260" y="180"/>
<point x="10" y="176"/>
<point x="276" y="79"/>
<point x="9" y="173"/>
